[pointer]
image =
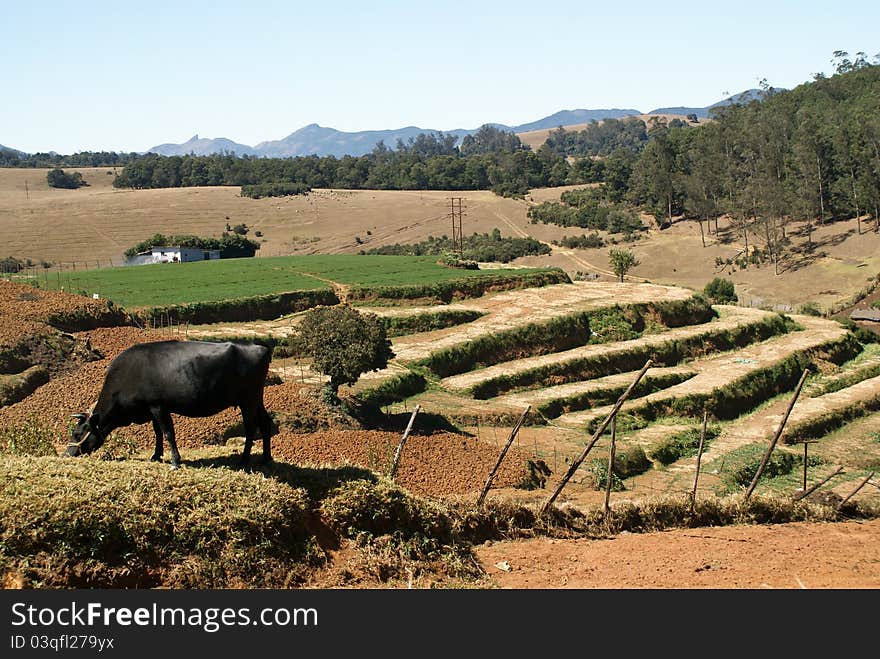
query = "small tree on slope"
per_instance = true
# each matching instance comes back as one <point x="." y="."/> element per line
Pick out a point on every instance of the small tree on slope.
<point x="622" y="261"/>
<point x="343" y="343"/>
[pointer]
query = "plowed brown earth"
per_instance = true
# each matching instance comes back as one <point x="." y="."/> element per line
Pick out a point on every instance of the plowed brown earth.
<point x="435" y="465"/>
<point x="25" y="309"/>
<point x="465" y="462"/>
<point x="53" y="403"/>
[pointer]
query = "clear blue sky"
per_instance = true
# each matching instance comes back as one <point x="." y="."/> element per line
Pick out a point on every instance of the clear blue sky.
<point x="125" y="76"/>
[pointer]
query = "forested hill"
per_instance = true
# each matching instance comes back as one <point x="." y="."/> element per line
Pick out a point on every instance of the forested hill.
<point x="811" y="153"/>
<point x="488" y="159"/>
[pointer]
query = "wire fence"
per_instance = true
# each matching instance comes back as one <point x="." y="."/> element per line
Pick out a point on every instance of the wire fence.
<point x="69" y="276"/>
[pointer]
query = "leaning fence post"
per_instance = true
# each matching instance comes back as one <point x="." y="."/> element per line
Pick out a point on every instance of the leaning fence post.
<point x="397" y="453"/>
<point x="699" y="457"/>
<point x="778" y="434"/>
<point x="577" y="463"/>
<point x="855" y="491"/>
<point x="610" y="475"/>
<point x="819" y="484"/>
<point x="501" y="456"/>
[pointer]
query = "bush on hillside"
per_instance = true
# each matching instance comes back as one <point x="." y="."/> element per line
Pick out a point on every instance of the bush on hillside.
<point x="58" y="178"/>
<point x="720" y="291"/>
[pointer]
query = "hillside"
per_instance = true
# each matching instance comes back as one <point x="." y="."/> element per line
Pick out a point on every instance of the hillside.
<point x="99" y="222"/>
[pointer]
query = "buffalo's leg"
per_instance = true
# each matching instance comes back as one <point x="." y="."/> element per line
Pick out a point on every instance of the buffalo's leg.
<point x="167" y="426"/>
<point x="266" y="430"/>
<point x="157" y="454"/>
<point x="250" y="431"/>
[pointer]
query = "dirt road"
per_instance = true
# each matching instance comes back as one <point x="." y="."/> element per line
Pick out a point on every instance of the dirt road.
<point x="798" y="555"/>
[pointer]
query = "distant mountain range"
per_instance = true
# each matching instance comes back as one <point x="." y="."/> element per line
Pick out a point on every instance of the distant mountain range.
<point x="322" y="141"/>
<point x="572" y="117"/>
<point x="703" y="113"/>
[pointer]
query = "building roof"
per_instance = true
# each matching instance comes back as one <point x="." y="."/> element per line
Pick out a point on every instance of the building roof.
<point x="866" y="314"/>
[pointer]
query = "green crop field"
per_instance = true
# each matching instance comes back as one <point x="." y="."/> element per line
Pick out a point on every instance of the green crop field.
<point x="204" y="281"/>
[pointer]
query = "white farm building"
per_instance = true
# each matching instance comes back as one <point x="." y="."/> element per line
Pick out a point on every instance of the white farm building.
<point x="173" y="254"/>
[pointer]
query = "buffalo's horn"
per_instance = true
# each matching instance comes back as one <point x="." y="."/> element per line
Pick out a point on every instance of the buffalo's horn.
<point x="78" y="415"/>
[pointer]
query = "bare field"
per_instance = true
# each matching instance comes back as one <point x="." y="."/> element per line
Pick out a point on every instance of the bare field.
<point x="788" y="556"/>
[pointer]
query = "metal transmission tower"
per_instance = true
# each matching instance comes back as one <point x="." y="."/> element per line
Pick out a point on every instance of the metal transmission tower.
<point x="455" y="211"/>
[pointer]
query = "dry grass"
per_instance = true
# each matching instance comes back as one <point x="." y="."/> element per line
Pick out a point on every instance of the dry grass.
<point x="87" y="523"/>
<point x="141" y="522"/>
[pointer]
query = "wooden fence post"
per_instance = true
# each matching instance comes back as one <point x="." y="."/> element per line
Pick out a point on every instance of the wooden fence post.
<point x="855" y="491"/>
<point x="815" y="487"/>
<point x="778" y="434"/>
<point x="577" y="463"/>
<point x="806" y="443"/>
<point x="397" y="453"/>
<point x="699" y="457"/>
<point x="497" y="466"/>
<point x="610" y="475"/>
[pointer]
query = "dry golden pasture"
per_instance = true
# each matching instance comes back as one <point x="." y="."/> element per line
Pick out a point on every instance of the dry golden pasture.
<point x="100" y="222"/>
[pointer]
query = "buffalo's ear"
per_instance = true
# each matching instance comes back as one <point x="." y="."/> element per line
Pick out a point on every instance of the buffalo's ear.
<point x="94" y="422"/>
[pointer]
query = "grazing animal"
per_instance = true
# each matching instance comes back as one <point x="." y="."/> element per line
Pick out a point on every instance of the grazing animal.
<point x="150" y="381"/>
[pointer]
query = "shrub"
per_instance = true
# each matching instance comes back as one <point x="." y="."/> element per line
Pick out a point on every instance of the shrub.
<point x="720" y="291"/>
<point x="582" y="241"/>
<point x="476" y="247"/>
<point x="274" y="189"/>
<point x="682" y="444"/>
<point x="451" y="261"/>
<point x="11" y="265"/>
<point x="615" y="324"/>
<point x="597" y="471"/>
<point x="779" y="464"/>
<point x="58" y="178"/>
<point x="631" y="461"/>
<point x="810" y="309"/>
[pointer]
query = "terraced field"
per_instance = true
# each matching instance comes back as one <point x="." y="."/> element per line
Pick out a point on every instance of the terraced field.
<point x="740" y="364"/>
<point x="566" y="352"/>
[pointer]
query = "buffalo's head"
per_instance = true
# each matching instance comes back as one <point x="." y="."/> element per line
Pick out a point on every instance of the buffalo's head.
<point x="85" y="436"/>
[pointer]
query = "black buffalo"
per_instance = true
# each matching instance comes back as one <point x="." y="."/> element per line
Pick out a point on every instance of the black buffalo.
<point x="150" y="381"/>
